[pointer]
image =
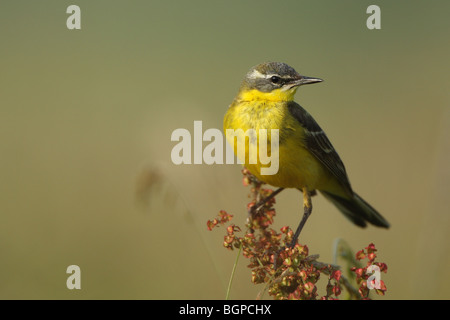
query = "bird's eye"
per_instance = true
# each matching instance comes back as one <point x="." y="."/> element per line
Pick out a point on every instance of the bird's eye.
<point x="275" y="79"/>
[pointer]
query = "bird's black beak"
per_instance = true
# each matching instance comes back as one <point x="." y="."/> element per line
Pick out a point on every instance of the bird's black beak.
<point x="301" y="80"/>
<point x="308" y="80"/>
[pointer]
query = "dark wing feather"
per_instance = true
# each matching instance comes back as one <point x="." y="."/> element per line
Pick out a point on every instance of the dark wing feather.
<point x="318" y="144"/>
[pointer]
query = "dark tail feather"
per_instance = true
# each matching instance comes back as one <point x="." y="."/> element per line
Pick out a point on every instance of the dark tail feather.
<point x="357" y="210"/>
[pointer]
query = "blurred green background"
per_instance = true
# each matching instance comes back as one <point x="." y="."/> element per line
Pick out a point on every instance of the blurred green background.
<point x="86" y="118"/>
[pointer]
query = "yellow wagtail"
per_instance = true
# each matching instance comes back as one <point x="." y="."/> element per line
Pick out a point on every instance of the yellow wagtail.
<point x="307" y="159"/>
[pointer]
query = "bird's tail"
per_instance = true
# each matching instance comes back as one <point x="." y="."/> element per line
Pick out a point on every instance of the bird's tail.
<point x="357" y="210"/>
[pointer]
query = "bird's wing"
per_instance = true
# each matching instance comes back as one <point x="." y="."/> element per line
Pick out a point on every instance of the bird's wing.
<point x="319" y="145"/>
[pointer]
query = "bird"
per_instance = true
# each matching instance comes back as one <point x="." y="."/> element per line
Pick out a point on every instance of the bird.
<point x="307" y="160"/>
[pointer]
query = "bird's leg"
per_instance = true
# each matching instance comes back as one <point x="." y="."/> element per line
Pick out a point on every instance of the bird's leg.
<point x="307" y="209"/>
<point x="255" y="208"/>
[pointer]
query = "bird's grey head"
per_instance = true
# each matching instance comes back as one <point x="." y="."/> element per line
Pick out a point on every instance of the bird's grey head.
<point x="269" y="76"/>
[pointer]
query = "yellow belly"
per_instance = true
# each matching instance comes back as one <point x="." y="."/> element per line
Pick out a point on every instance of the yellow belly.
<point x="297" y="168"/>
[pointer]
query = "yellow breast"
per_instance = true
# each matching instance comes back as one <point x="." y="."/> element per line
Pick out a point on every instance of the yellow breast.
<point x="297" y="166"/>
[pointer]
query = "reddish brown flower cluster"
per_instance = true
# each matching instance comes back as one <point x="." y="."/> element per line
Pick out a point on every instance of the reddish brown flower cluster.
<point x="289" y="273"/>
<point x="367" y="277"/>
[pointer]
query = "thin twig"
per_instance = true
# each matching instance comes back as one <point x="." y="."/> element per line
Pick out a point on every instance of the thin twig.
<point x="227" y="297"/>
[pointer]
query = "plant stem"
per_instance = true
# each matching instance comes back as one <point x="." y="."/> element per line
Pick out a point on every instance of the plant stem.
<point x="227" y="297"/>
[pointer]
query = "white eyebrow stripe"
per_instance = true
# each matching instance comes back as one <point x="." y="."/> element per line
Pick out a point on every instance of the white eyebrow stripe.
<point x="256" y="74"/>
